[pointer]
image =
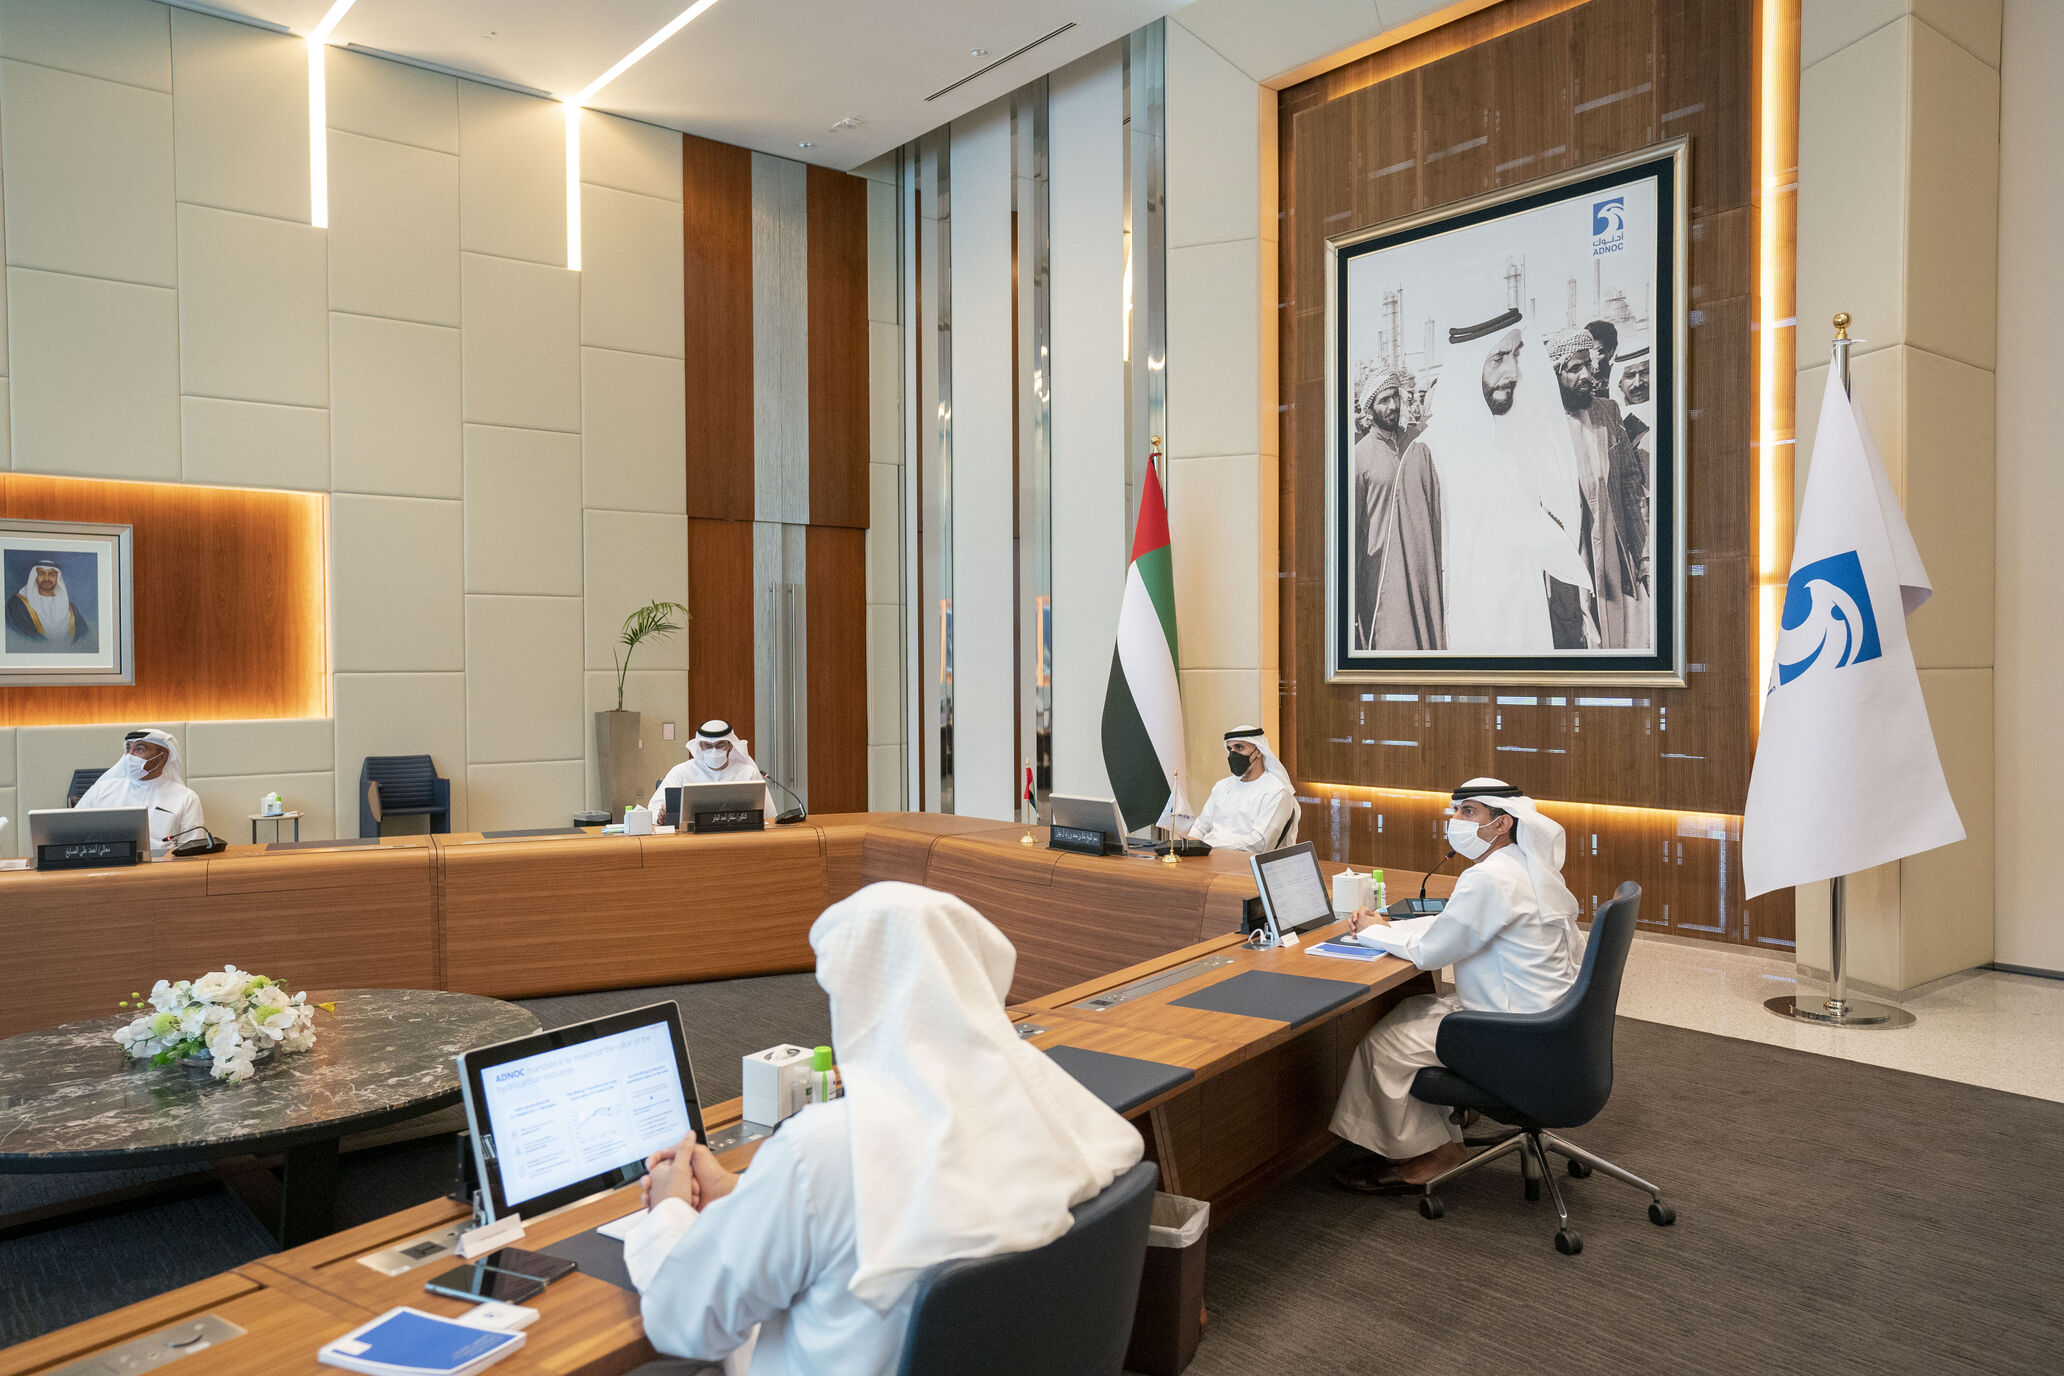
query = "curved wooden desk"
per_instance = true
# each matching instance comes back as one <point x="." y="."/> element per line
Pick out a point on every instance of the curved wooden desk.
<point x="532" y="915"/>
<point x="551" y="914"/>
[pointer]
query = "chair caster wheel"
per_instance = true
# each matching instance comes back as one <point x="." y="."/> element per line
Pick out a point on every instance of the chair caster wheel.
<point x="1567" y="1242"/>
<point x="1579" y="1169"/>
<point x="1430" y="1206"/>
<point x="1661" y="1214"/>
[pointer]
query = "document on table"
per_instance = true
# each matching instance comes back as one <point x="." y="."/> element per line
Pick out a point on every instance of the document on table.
<point x="1339" y="951"/>
<point x="620" y="1228"/>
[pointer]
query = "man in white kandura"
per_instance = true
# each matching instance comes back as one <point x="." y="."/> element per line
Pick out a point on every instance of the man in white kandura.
<point x="1255" y="809"/>
<point x="715" y="756"/>
<point x="148" y="775"/>
<point x="954" y="1139"/>
<point x="1510" y="931"/>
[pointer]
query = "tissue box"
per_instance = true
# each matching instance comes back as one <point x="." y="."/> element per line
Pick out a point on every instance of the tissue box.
<point x="777" y="1083"/>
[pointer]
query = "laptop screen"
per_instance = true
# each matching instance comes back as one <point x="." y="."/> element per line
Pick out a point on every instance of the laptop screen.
<point x="563" y="1114"/>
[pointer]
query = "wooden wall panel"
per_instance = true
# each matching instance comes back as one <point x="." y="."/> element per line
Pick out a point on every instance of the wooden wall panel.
<point x="835" y="585"/>
<point x="716" y="279"/>
<point x="230" y="612"/>
<point x="1546" y="85"/>
<point x="720" y="626"/>
<point x="840" y="427"/>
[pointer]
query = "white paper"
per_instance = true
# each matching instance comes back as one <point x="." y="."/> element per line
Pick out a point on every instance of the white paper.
<point x="620" y="1228"/>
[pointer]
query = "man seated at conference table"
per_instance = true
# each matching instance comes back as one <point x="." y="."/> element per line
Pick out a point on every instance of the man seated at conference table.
<point x="953" y="1139"/>
<point x="148" y="776"/>
<point x="1256" y="808"/>
<point x="1510" y="932"/>
<point x="715" y="756"/>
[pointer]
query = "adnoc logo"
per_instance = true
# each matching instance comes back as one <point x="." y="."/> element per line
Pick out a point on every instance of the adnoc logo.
<point x="1608" y="226"/>
<point x="1827" y="621"/>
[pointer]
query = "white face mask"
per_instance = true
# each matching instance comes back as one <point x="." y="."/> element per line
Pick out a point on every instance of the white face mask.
<point x="131" y="767"/>
<point x="1463" y="840"/>
<point x="716" y="756"/>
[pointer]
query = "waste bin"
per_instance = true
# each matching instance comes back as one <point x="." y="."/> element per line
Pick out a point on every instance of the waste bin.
<point x="1170" y="1316"/>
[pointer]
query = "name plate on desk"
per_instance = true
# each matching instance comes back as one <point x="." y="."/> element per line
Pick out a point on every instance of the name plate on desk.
<point x="87" y="855"/>
<point x="731" y="819"/>
<point x="1080" y="840"/>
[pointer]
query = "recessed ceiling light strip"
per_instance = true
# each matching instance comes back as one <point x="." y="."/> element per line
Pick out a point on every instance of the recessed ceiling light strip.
<point x="971" y="76"/>
<point x="589" y="92"/>
<point x="318" y="117"/>
<point x="630" y="59"/>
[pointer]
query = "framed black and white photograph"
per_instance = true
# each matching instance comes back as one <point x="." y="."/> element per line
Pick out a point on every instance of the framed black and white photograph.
<point x="1505" y="435"/>
<point x="69" y="614"/>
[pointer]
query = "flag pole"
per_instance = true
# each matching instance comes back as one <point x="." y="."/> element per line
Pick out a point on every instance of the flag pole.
<point x="1838" y="1009"/>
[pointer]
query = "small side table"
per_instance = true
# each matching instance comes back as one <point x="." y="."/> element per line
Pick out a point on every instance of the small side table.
<point x="275" y="818"/>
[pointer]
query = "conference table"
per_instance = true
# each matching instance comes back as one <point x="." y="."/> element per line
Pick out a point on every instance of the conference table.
<point x="1119" y="957"/>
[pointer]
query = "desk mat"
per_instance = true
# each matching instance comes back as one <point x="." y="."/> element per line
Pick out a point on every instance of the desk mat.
<point x="596" y="1255"/>
<point x="531" y="831"/>
<point x="1295" y="999"/>
<point x="1120" y="1081"/>
<point x="324" y="845"/>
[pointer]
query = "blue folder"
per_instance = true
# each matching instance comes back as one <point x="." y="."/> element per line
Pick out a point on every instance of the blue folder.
<point x="407" y="1339"/>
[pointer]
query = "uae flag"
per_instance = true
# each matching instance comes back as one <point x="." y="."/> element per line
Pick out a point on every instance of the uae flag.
<point x="1143" y="723"/>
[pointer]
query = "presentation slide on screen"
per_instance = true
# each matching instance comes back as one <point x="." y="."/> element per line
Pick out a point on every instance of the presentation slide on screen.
<point x="1296" y="892"/>
<point x="565" y="1115"/>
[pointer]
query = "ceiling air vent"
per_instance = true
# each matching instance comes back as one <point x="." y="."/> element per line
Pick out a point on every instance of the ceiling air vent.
<point x="1000" y="61"/>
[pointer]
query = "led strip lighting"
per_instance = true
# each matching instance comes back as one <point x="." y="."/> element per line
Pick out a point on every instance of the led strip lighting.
<point x="318" y="117"/>
<point x="574" y="104"/>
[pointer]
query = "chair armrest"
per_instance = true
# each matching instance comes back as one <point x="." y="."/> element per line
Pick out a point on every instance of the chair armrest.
<point x="372" y="793"/>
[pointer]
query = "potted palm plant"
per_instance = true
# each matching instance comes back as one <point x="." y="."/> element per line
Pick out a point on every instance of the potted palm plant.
<point x="619" y="740"/>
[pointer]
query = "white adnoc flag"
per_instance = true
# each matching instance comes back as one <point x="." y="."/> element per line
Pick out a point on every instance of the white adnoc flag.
<point x="1846" y="774"/>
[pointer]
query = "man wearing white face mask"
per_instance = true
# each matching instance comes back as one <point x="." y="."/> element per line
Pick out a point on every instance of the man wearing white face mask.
<point x="715" y="756"/>
<point x="1509" y="931"/>
<point x="148" y="776"/>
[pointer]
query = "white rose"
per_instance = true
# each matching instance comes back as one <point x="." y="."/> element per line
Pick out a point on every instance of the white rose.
<point x="269" y="996"/>
<point x="222" y="986"/>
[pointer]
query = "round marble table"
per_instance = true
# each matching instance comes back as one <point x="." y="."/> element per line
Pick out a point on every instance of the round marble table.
<point x="70" y="1100"/>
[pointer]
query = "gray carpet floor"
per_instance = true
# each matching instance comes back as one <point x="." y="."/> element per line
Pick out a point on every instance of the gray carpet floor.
<point x="1832" y="1218"/>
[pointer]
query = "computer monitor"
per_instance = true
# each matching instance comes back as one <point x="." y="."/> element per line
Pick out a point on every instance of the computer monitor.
<point x="1088" y="814"/>
<point x="564" y="1114"/>
<point x="89" y="837"/>
<point x="724" y="796"/>
<point x="1293" y="892"/>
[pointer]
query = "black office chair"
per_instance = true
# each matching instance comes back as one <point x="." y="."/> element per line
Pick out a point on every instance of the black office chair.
<point x="402" y="786"/>
<point x="82" y="779"/>
<point x="1065" y="1307"/>
<point x="1544" y="1070"/>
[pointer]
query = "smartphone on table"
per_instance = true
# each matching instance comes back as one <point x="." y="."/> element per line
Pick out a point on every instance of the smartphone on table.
<point x="510" y="1275"/>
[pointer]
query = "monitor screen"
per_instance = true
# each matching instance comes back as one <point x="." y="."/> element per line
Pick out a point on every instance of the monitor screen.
<point x="563" y="1114"/>
<point x="1293" y="889"/>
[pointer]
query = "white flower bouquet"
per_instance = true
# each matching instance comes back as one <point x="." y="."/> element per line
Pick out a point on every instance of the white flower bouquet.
<point x="230" y="1014"/>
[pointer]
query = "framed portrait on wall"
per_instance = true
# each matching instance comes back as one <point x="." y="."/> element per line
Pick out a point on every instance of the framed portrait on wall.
<point x="69" y="617"/>
<point x="1505" y="435"/>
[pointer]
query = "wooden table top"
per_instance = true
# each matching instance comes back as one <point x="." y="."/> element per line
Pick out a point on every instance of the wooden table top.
<point x="1152" y="1028"/>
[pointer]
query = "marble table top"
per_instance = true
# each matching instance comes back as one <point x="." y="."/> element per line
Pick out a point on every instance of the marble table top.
<point x="70" y="1099"/>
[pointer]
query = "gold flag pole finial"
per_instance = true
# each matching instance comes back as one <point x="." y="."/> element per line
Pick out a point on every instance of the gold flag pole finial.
<point x="1841" y="324"/>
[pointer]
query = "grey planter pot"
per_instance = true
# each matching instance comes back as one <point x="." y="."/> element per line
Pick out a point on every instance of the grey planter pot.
<point x="619" y="760"/>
